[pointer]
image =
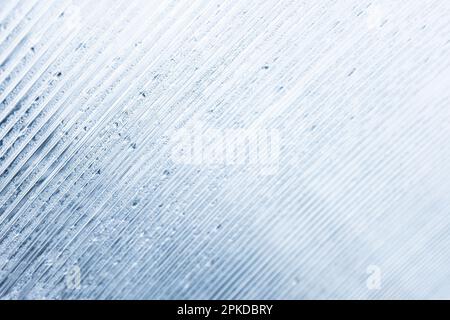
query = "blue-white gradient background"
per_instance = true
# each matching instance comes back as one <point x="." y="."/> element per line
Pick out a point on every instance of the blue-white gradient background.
<point x="203" y="149"/>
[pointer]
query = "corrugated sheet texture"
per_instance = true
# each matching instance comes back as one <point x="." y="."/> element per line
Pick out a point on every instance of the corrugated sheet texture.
<point x="117" y="121"/>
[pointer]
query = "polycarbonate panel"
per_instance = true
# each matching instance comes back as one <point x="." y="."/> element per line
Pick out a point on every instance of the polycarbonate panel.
<point x="210" y="149"/>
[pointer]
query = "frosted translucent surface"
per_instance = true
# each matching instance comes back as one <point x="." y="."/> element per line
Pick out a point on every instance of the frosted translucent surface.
<point x="224" y="149"/>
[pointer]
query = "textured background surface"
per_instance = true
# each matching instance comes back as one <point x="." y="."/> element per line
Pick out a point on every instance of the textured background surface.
<point x="103" y="101"/>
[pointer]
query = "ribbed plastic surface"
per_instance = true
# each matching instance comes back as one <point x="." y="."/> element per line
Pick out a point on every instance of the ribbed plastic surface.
<point x="224" y="149"/>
